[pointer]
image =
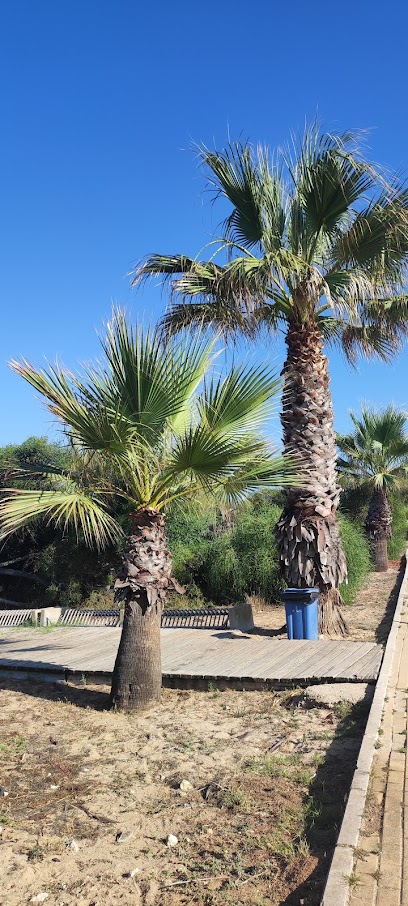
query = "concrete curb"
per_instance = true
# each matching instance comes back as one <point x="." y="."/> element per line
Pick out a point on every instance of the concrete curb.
<point x="337" y="889"/>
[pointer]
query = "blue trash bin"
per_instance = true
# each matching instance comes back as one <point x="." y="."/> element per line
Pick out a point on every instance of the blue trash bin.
<point x="301" y="607"/>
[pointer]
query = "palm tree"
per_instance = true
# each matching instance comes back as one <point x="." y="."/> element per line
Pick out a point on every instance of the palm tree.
<point x="315" y="245"/>
<point x="376" y="453"/>
<point x="148" y="428"/>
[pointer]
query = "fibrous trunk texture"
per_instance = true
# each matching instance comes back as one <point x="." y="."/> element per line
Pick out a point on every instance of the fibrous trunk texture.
<point x="142" y="583"/>
<point x="379" y="527"/>
<point x="308" y="535"/>
<point x="380" y="555"/>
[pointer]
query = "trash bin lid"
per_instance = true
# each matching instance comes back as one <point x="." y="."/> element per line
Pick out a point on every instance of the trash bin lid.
<point x="307" y="595"/>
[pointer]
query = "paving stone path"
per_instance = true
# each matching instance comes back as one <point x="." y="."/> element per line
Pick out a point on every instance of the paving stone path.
<point x="380" y="877"/>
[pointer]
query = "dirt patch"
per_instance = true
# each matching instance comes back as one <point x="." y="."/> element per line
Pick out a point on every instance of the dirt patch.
<point x="269" y="778"/>
<point x="369" y="618"/>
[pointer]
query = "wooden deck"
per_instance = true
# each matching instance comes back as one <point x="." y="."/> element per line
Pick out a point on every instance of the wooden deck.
<point x="193" y="654"/>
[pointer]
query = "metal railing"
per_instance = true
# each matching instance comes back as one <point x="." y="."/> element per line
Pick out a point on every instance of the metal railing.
<point x="202" y="618"/>
<point x="72" y="617"/>
<point x="195" y="618"/>
<point x="16" y="617"/>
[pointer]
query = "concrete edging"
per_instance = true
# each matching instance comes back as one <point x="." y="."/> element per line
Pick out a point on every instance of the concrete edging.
<point x="337" y="889"/>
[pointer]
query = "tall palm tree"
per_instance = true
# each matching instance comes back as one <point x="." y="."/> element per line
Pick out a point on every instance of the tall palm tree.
<point x="315" y="245"/>
<point x="376" y="452"/>
<point x="147" y="427"/>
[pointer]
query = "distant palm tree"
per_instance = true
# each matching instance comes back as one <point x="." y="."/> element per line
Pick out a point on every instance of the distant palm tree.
<point x="147" y="428"/>
<point x="377" y="452"/>
<point x="315" y="245"/>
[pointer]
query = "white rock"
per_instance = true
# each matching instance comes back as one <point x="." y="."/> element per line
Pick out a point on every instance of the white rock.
<point x="186" y="786"/>
<point x="122" y="838"/>
<point x="3" y="791"/>
<point x="39" y="897"/>
<point x="172" y="840"/>
<point x="132" y="873"/>
<point x="73" y="845"/>
<point x="54" y="786"/>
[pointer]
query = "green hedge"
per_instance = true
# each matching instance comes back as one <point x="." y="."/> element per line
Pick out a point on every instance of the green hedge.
<point x="223" y="566"/>
<point x="398" y="542"/>
<point x="357" y="550"/>
<point x="244" y="561"/>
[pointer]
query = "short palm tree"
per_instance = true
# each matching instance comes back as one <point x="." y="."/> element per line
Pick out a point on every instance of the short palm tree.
<point x="376" y="452"/>
<point x="315" y="245"/>
<point x="148" y="428"/>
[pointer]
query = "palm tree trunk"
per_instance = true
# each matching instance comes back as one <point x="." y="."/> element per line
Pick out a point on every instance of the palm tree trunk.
<point x="380" y="547"/>
<point x="379" y="527"/>
<point x="142" y="583"/>
<point x="308" y="534"/>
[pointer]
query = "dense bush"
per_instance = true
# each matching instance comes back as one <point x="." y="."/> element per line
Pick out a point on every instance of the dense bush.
<point x="244" y="561"/>
<point x="357" y="550"/>
<point x="398" y="542"/>
<point x="355" y="500"/>
<point x="223" y="566"/>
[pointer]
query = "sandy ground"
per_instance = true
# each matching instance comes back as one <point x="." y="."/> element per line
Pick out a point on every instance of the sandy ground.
<point x="76" y="773"/>
<point x="269" y="778"/>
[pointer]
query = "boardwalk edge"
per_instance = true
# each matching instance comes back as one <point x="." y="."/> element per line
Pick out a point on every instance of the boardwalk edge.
<point x="337" y="889"/>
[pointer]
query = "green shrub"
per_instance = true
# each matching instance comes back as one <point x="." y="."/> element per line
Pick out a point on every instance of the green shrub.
<point x="397" y="544"/>
<point x="244" y="560"/>
<point x="225" y="566"/>
<point x="357" y="551"/>
<point x="189" y="532"/>
<point x="355" y="500"/>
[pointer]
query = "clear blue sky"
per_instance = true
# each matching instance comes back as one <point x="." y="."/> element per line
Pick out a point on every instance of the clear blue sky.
<point x="101" y="101"/>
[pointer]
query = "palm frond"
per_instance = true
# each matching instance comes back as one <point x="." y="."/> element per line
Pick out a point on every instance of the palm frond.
<point x="270" y="472"/>
<point x="239" y="402"/>
<point x="63" y="508"/>
<point x="377" y="238"/>
<point x="147" y="382"/>
<point x="377" y="449"/>
<point x="234" y="174"/>
<point x="368" y="340"/>
<point x="166" y="265"/>
<point x="329" y="176"/>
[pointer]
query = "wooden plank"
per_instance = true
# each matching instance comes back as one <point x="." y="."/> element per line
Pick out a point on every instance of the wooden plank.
<point x="345" y="667"/>
<point x="333" y="660"/>
<point x="367" y="667"/>
<point x="291" y="652"/>
<point x="197" y="652"/>
<point x="295" y="665"/>
<point x="322" y="658"/>
<point x="268" y="663"/>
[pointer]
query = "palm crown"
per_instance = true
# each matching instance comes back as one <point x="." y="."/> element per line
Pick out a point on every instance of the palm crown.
<point x="316" y="234"/>
<point x="149" y="428"/>
<point x="377" y="449"/>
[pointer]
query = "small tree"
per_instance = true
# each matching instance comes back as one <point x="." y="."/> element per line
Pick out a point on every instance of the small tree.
<point x="376" y="452"/>
<point x="146" y="427"/>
